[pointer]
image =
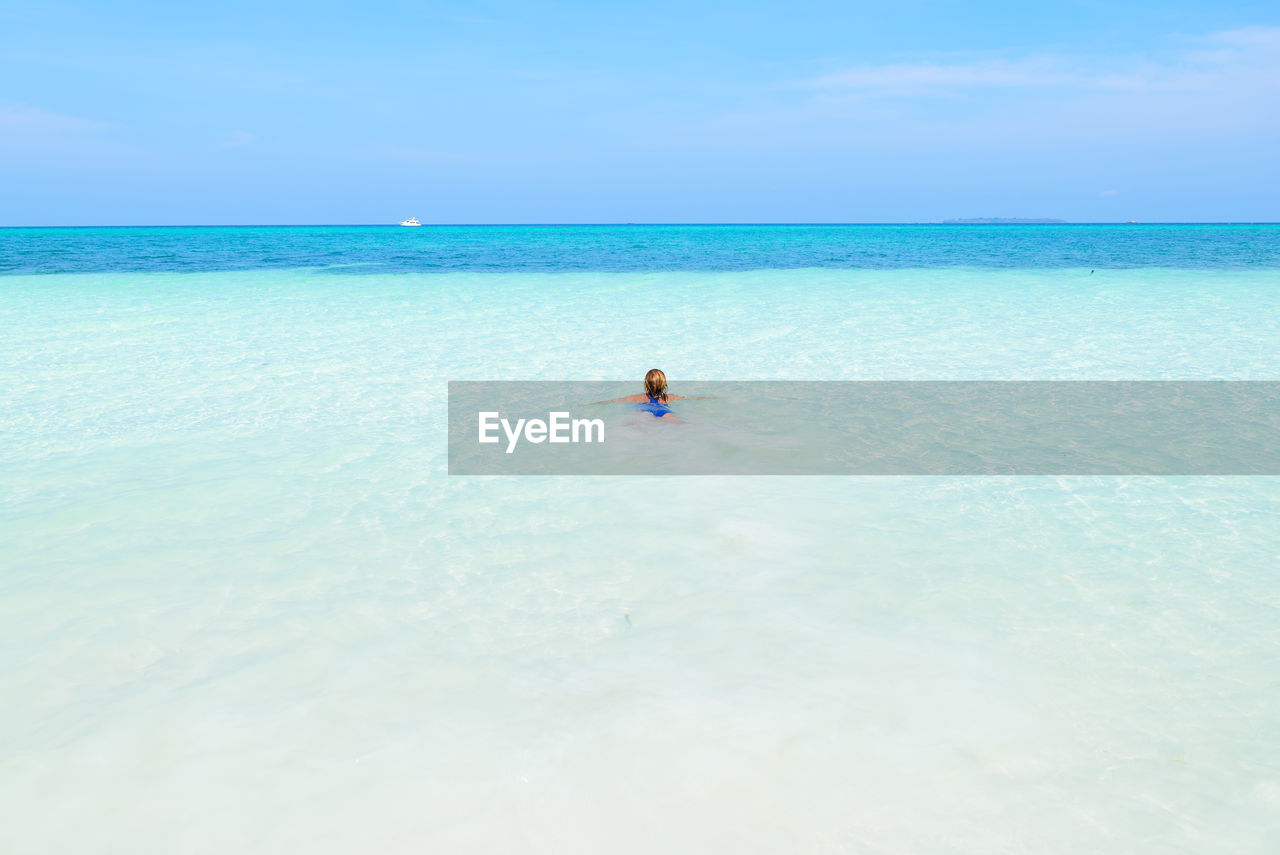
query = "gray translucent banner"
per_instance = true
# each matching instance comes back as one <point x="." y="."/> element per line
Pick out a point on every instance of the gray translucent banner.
<point x="868" y="428"/>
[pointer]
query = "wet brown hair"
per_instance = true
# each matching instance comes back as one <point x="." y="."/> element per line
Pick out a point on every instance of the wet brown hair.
<point x="655" y="385"/>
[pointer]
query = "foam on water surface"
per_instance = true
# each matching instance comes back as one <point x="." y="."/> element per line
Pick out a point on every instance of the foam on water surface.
<point x="242" y="606"/>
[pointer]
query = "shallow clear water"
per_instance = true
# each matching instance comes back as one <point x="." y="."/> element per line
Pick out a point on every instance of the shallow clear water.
<point x="243" y="608"/>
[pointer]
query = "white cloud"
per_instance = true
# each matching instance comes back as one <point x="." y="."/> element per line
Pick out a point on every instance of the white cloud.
<point x="236" y="139"/>
<point x="1207" y="63"/>
<point x="28" y="120"/>
<point x="410" y="154"/>
<point x="1266" y="37"/>
<point x="1219" y="93"/>
<point x="925" y="77"/>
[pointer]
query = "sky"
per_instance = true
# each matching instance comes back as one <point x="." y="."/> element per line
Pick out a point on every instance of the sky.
<point x="539" y="112"/>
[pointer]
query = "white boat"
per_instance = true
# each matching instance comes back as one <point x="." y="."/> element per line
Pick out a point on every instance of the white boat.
<point x="412" y="221"/>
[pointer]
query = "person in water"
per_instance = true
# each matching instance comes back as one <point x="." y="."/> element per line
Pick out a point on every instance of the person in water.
<point x="655" y="397"/>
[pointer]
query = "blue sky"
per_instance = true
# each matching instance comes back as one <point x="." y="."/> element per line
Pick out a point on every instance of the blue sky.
<point x="320" y="112"/>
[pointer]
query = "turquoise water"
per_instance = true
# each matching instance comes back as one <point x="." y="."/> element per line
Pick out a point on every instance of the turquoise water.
<point x="243" y="608"/>
<point x="381" y="249"/>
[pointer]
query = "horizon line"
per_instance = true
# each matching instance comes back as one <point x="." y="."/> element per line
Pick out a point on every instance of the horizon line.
<point x="953" y="222"/>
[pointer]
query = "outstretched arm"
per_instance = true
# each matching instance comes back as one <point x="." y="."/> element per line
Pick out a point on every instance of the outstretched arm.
<point x="641" y="399"/>
<point x="630" y="399"/>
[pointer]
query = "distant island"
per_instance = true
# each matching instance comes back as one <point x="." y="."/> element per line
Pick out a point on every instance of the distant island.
<point x="1002" y="221"/>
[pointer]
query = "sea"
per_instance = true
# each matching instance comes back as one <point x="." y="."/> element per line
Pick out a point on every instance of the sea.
<point x="245" y="608"/>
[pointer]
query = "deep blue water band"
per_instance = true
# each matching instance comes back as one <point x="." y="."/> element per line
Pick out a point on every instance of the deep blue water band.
<point x="378" y="249"/>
